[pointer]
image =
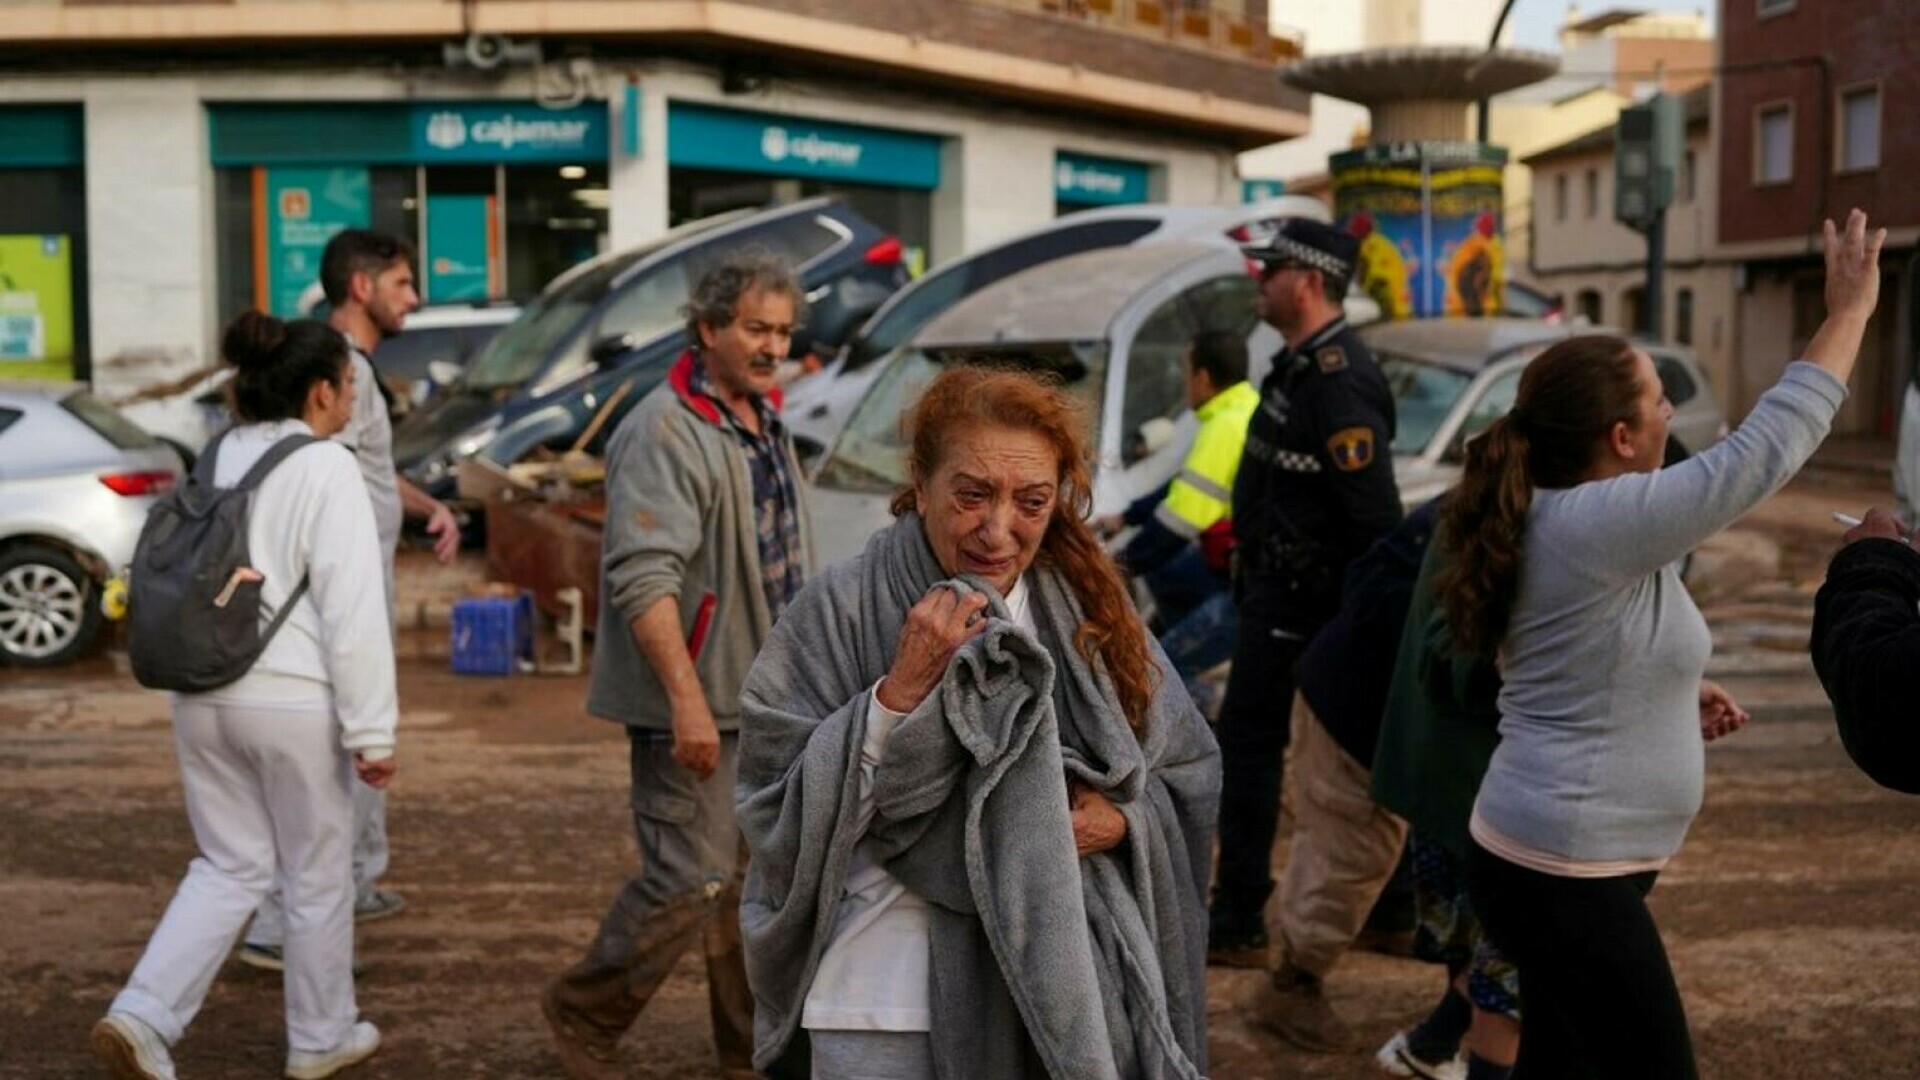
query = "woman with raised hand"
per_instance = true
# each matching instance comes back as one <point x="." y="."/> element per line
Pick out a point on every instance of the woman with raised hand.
<point x="1564" y="534"/>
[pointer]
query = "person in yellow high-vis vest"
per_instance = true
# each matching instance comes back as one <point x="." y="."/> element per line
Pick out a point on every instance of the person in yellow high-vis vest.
<point x="1185" y="527"/>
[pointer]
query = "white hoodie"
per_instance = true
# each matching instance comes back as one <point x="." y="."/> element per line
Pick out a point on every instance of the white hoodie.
<point x="311" y="516"/>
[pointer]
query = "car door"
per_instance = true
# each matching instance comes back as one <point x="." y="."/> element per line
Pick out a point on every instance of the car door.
<point x="1152" y="380"/>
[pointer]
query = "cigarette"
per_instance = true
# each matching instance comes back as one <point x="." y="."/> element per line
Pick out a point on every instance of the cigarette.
<point x="1846" y="519"/>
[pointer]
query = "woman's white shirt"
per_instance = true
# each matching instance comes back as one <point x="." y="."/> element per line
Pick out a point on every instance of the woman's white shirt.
<point x="311" y="517"/>
<point x="873" y="975"/>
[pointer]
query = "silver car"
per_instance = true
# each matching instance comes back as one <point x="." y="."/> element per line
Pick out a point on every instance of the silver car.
<point x="1111" y="323"/>
<point x="76" y="480"/>
<point x="1453" y="377"/>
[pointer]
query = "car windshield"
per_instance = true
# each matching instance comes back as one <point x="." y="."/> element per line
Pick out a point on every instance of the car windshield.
<point x="871" y="455"/>
<point x="110" y="425"/>
<point x="517" y="353"/>
<point x="1423" y="394"/>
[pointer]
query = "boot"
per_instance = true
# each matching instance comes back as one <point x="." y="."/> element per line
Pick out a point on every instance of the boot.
<point x="1235" y="940"/>
<point x="1292" y="1004"/>
<point x="586" y="1052"/>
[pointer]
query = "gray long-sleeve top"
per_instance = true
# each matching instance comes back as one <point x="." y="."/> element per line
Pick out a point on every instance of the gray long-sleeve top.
<point x="1600" y="757"/>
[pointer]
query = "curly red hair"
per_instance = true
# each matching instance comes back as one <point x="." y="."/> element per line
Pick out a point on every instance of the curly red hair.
<point x="963" y="397"/>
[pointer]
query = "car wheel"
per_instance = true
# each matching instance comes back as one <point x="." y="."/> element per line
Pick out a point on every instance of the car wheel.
<point x="49" y="607"/>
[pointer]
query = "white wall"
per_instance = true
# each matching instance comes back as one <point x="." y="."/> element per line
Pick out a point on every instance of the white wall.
<point x="150" y="237"/>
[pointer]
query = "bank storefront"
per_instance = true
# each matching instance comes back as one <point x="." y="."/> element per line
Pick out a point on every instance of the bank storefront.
<point x="499" y="196"/>
<point x="1081" y="181"/>
<point x="724" y="158"/>
<point x="43" y="225"/>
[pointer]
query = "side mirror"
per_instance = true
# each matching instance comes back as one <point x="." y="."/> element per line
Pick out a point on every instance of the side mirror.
<point x="1155" y="435"/>
<point x="612" y="347"/>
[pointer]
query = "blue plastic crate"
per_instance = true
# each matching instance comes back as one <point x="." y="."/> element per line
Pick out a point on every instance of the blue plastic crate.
<point x="490" y="634"/>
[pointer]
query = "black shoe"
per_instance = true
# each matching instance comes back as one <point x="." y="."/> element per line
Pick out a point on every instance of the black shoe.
<point x="1235" y="941"/>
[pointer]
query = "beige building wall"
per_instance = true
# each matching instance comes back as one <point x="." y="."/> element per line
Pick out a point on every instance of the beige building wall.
<point x="1599" y="265"/>
<point x="1526" y="128"/>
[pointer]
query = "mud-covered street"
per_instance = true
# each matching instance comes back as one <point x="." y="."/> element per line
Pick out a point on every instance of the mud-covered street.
<point x="1792" y="914"/>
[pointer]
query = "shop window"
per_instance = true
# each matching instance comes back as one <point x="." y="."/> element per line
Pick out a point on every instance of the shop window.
<point x="1682" y="320"/>
<point x="1156" y="385"/>
<point x="1859" y="129"/>
<point x="1773" y="144"/>
<point x="43" y="268"/>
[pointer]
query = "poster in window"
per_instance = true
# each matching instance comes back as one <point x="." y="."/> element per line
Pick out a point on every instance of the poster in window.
<point x="36" y="307"/>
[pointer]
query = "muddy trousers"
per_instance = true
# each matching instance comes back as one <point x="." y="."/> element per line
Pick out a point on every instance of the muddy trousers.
<point x="1345" y="847"/>
<point x="1599" y="993"/>
<point x="692" y="862"/>
<point x="266" y="793"/>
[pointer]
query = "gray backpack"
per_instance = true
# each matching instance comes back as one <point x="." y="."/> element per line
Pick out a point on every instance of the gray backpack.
<point x="193" y="622"/>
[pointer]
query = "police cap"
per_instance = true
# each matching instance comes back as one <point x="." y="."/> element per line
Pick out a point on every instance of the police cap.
<point x="1309" y="244"/>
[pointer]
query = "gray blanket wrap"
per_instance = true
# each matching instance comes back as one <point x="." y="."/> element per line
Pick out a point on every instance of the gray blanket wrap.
<point x="1043" y="964"/>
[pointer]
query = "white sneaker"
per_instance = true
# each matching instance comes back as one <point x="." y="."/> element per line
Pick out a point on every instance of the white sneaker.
<point x="1397" y="1060"/>
<point x="361" y="1042"/>
<point x="130" y="1049"/>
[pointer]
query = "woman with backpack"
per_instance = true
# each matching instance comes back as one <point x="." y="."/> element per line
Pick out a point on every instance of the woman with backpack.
<point x="1563" y="536"/>
<point x="265" y="759"/>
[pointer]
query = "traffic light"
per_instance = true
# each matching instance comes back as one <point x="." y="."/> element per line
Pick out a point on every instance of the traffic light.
<point x="1648" y="145"/>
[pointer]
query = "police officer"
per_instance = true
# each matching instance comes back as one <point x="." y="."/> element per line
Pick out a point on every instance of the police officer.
<point x="1315" y="489"/>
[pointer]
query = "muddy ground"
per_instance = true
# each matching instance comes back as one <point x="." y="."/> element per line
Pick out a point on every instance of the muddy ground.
<point x="1793" y="913"/>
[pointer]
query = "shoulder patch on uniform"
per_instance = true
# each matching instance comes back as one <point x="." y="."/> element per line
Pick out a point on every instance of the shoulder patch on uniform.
<point x="1331" y="358"/>
<point x="1351" y="448"/>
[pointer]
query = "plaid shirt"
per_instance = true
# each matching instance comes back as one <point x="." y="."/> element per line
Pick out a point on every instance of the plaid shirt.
<point x="776" y="502"/>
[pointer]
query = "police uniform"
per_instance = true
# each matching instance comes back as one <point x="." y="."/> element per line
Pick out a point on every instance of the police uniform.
<point x="1315" y="489"/>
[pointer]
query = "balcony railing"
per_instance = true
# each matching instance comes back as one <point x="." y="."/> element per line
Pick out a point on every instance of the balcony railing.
<point x="1219" y="26"/>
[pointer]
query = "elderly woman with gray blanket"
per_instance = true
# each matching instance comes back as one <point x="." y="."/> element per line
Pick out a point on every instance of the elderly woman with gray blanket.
<point x="979" y="808"/>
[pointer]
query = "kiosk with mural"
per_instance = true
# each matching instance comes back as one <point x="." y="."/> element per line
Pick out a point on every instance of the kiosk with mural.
<point x="1428" y="215"/>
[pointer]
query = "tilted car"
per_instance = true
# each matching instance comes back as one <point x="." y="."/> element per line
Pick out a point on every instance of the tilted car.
<point x="605" y="333"/>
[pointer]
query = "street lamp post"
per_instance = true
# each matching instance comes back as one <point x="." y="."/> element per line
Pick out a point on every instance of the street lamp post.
<point x="1493" y="43"/>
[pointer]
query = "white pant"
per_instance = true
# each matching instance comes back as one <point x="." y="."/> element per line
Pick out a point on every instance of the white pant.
<point x="370" y="858"/>
<point x="267" y="794"/>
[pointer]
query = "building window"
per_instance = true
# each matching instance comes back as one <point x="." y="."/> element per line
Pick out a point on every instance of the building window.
<point x="1768" y="8"/>
<point x="1689" y="175"/>
<point x="1683" y="316"/>
<point x="1633" y="309"/>
<point x="1859" y="129"/>
<point x="1593" y="193"/>
<point x="1560" y="197"/>
<point x="1773" y="144"/>
<point x="1586" y="304"/>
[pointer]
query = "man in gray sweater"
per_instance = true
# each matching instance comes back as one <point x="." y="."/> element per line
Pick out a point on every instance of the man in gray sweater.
<point x="706" y="542"/>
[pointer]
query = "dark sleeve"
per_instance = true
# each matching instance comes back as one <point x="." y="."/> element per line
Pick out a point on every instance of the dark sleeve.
<point x="1866" y="650"/>
<point x="1366" y="497"/>
<point x="1151" y="547"/>
<point x="1140" y="511"/>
